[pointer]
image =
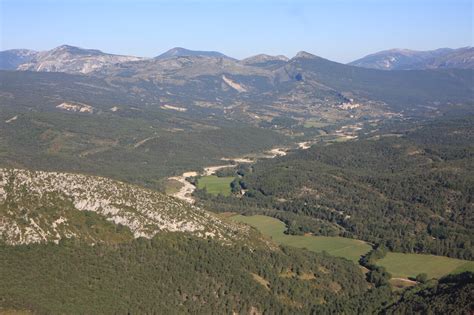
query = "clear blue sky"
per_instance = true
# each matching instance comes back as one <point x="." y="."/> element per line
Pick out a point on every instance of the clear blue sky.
<point x="340" y="30"/>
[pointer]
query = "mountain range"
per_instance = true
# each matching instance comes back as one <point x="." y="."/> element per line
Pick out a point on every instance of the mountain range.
<point x="72" y="59"/>
<point x="405" y="59"/>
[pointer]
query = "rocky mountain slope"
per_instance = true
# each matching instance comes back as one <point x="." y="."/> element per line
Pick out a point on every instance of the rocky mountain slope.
<point x="405" y="59"/>
<point x="64" y="58"/>
<point x="38" y="207"/>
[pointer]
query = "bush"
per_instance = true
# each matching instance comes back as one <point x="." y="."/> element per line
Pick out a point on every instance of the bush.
<point x="422" y="278"/>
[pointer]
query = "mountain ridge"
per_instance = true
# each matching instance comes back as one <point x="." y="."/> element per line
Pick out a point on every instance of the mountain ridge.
<point x="69" y="59"/>
<point x="73" y="59"/>
<point x="40" y="207"/>
<point x="406" y="59"/>
<point x="184" y="52"/>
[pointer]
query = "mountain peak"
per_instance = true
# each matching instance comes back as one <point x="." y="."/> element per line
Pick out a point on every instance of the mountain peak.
<point x="304" y="54"/>
<point x="75" y="50"/>
<point x="183" y="52"/>
<point x="72" y="59"/>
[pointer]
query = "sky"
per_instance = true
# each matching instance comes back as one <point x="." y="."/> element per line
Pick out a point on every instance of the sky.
<point x="340" y="30"/>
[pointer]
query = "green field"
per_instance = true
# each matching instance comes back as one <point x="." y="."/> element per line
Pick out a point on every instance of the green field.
<point x="336" y="246"/>
<point x="215" y="185"/>
<point x="398" y="264"/>
<point x="409" y="265"/>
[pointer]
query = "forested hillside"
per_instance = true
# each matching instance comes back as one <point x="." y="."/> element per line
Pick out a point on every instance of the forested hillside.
<point x="451" y="295"/>
<point x="410" y="190"/>
<point x="174" y="273"/>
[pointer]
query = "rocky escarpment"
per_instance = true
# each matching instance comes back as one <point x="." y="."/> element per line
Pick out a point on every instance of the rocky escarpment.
<point x="37" y="206"/>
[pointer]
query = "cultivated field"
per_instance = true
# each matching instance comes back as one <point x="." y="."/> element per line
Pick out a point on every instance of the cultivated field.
<point x="337" y="246"/>
<point x="215" y="185"/>
<point x="409" y="265"/>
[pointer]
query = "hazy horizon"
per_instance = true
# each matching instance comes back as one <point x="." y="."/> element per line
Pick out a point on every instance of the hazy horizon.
<point x="336" y="30"/>
<point x="275" y="54"/>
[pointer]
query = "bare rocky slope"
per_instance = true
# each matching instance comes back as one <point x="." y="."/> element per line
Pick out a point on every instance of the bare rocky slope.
<point x="70" y="59"/>
<point x="38" y="207"/>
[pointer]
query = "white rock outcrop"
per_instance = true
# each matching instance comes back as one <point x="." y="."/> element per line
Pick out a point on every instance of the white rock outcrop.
<point x="143" y="211"/>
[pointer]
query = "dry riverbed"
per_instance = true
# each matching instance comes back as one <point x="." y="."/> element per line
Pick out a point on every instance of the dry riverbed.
<point x="186" y="190"/>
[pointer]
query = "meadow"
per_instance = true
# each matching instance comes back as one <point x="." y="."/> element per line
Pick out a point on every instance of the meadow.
<point x="215" y="185"/>
<point x="402" y="265"/>
<point x="337" y="246"/>
<point x="399" y="265"/>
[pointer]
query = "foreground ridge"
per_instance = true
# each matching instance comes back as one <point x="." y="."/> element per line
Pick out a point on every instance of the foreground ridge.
<point x="40" y="206"/>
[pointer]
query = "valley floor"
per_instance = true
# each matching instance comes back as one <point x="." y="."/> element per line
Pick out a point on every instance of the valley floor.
<point x="401" y="266"/>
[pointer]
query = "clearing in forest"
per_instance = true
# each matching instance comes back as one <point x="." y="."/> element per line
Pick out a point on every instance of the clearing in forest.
<point x="409" y="265"/>
<point x="398" y="264"/>
<point x="215" y="185"/>
<point x="337" y="246"/>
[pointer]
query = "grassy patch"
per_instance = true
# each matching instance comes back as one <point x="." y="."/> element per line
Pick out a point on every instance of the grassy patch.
<point x="409" y="265"/>
<point x="216" y="185"/>
<point x="337" y="246"/>
<point x="398" y="264"/>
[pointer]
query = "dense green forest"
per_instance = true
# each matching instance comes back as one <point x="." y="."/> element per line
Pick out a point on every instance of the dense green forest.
<point x="175" y="273"/>
<point x="409" y="188"/>
<point x="451" y="295"/>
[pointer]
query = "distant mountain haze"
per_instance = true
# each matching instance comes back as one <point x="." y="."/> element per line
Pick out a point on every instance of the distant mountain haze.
<point x="200" y="79"/>
<point x="405" y="59"/>
<point x="11" y="59"/>
<point x="73" y="59"/>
